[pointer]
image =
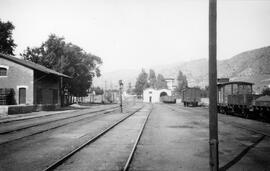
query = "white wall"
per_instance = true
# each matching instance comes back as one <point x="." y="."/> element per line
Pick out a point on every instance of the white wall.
<point x="154" y="95"/>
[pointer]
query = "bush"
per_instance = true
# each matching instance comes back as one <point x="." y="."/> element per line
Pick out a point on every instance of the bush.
<point x="266" y="91"/>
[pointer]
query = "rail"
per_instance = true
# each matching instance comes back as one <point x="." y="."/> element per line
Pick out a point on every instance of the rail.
<point x="67" y="156"/>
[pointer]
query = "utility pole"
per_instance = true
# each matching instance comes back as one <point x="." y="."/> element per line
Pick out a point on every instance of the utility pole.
<point x="213" y="118"/>
<point x="61" y="81"/>
<point x="121" y="92"/>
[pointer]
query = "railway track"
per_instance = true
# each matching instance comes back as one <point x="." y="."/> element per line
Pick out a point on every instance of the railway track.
<point x="51" y="121"/>
<point x="64" y="158"/>
<point x="67" y="120"/>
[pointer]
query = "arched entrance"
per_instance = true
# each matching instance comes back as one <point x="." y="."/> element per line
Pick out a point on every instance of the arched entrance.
<point x="162" y="94"/>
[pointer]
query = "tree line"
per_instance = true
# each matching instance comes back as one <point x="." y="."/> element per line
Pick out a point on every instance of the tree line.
<point x="150" y="80"/>
<point x="57" y="54"/>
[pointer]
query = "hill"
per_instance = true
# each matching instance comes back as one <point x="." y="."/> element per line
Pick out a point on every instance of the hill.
<point x="252" y="66"/>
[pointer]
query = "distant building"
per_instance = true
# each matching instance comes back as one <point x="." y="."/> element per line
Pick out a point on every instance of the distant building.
<point x="223" y="80"/>
<point x="33" y="84"/>
<point x="151" y="95"/>
<point x="171" y="83"/>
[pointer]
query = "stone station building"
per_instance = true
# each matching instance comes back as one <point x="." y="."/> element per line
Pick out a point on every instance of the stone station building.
<point x="33" y="84"/>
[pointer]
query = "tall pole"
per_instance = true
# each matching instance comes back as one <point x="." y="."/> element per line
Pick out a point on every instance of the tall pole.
<point x="61" y="81"/>
<point x="121" y="92"/>
<point x="213" y="124"/>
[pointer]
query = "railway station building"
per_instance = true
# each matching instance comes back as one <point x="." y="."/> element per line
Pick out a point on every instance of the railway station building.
<point x="151" y="95"/>
<point x="32" y="84"/>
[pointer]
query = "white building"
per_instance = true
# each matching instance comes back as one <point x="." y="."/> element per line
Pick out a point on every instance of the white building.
<point x="151" y="95"/>
<point x="171" y="83"/>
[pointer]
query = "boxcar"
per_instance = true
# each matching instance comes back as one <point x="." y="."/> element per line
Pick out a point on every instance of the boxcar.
<point x="191" y="96"/>
<point x="168" y="99"/>
<point x="235" y="97"/>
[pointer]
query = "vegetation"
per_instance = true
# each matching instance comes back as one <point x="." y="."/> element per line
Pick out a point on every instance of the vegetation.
<point x="152" y="79"/>
<point x="181" y="81"/>
<point x="130" y="90"/>
<point x="266" y="91"/>
<point x="68" y="59"/>
<point x="98" y="90"/>
<point x="143" y="81"/>
<point x="161" y="83"/>
<point x="205" y="91"/>
<point x="7" y="44"/>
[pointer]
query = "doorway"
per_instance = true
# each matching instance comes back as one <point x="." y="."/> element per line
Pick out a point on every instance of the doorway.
<point x="22" y="95"/>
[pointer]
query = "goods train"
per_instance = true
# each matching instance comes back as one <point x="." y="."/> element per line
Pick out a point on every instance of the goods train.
<point x="168" y="99"/>
<point x="237" y="97"/>
<point x="191" y="96"/>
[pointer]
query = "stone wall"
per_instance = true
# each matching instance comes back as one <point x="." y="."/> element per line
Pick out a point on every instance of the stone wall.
<point x="18" y="76"/>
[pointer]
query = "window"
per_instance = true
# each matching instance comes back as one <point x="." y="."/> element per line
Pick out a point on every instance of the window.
<point x="3" y="71"/>
<point x="2" y="96"/>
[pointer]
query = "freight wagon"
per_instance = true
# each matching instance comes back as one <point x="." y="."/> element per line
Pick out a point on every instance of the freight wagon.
<point x="236" y="97"/>
<point x="191" y="96"/>
<point x="168" y="99"/>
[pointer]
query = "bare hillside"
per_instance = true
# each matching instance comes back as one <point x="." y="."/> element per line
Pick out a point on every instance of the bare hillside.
<point x="252" y="66"/>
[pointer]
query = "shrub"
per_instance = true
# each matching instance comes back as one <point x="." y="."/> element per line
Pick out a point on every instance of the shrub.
<point x="266" y="91"/>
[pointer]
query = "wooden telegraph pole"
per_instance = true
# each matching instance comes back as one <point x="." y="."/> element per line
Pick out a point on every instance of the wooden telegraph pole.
<point x="121" y="93"/>
<point x="213" y="124"/>
<point x="61" y="81"/>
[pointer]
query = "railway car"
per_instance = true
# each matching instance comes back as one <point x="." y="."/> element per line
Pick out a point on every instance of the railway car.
<point x="237" y="97"/>
<point x="191" y="96"/>
<point x="168" y="99"/>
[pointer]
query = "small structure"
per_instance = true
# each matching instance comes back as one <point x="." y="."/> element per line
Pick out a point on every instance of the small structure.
<point x="223" y="80"/>
<point x="171" y="83"/>
<point x="151" y="95"/>
<point x="32" y="84"/>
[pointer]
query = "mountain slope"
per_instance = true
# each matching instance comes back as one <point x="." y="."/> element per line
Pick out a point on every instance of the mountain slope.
<point x="252" y="66"/>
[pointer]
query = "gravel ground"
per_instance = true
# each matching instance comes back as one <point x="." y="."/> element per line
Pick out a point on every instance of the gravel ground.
<point x="175" y="138"/>
<point x="111" y="151"/>
<point x="178" y="140"/>
<point x="38" y="151"/>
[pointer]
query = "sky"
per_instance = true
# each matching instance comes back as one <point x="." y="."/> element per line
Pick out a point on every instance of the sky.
<point x="130" y="34"/>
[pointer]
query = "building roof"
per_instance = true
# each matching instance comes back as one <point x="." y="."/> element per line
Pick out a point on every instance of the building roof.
<point x="32" y="65"/>
<point x="235" y="82"/>
<point x="265" y="98"/>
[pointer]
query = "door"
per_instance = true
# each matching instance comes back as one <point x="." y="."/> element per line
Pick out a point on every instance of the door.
<point x="22" y="95"/>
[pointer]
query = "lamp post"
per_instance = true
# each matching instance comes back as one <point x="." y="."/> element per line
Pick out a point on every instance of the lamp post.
<point x="121" y="91"/>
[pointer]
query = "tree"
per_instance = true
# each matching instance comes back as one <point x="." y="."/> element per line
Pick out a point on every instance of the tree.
<point x="161" y="83"/>
<point x="266" y="91"/>
<point x="152" y="79"/>
<point x="98" y="90"/>
<point x="141" y="83"/>
<point x="130" y="90"/>
<point x="181" y="81"/>
<point x="205" y="91"/>
<point x="68" y="59"/>
<point x="7" y="44"/>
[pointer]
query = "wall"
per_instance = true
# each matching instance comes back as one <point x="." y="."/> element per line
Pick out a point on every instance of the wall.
<point x="45" y="84"/>
<point x="18" y="76"/>
<point x="155" y="95"/>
